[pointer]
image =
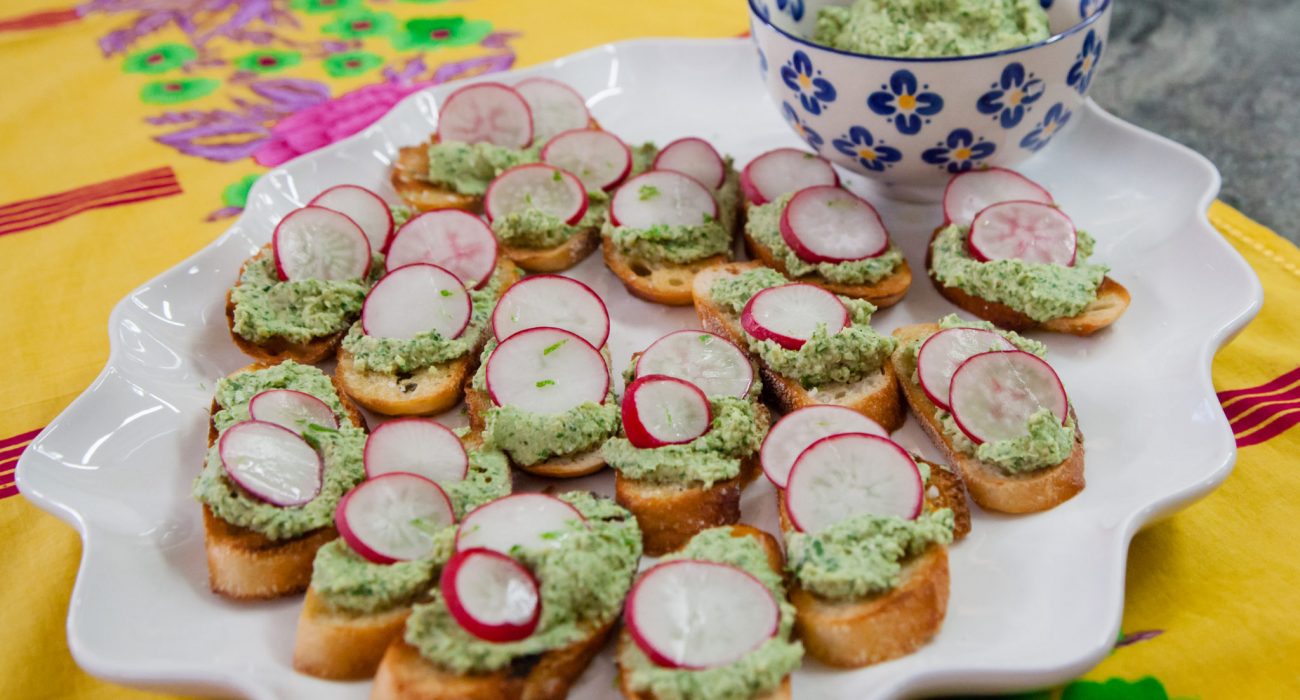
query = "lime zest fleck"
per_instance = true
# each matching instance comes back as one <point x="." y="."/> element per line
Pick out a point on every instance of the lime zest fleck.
<point x="647" y="192"/>
<point x="545" y="383"/>
<point x="554" y="346"/>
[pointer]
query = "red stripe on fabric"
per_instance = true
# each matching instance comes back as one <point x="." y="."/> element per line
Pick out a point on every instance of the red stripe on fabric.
<point x="1264" y="411"/>
<point x="56" y="209"/>
<point x="1247" y="404"/>
<point x="156" y="175"/>
<point x="7" y="477"/>
<point x="21" y="437"/>
<point x="91" y="205"/>
<point x="66" y="200"/>
<point x="8" y="491"/>
<point x="40" y="20"/>
<point x="9" y="462"/>
<point x="1284" y="422"/>
<point x="1280" y="383"/>
<point x="10" y="453"/>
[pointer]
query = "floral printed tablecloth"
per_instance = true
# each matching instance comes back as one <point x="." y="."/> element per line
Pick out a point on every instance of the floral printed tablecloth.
<point x="131" y="130"/>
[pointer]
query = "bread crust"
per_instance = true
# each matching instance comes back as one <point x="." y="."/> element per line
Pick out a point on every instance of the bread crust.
<point x="875" y="396"/>
<point x="1111" y="303"/>
<point x="556" y="258"/>
<point x="410" y="180"/>
<point x="660" y="283"/>
<point x="990" y="487"/>
<point x="477" y="404"/>
<point x="275" y="350"/>
<point x="886" y="292"/>
<point x="669" y="515"/>
<point x="343" y="646"/>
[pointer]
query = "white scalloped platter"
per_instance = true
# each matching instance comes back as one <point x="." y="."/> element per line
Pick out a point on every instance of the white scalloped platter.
<point x="1034" y="600"/>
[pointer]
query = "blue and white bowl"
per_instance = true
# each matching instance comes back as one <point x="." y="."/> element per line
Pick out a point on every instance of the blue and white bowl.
<point x="910" y="123"/>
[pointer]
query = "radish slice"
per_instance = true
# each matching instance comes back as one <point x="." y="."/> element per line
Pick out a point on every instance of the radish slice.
<point x="797" y="430"/>
<point x="552" y="301"/>
<point x="694" y="157"/>
<point x="393" y="517"/>
<point x="416" y="446"/>
<point x="942" y="353"/>
<point x="659" y="410"/>
<point x="699" y="614"/>
<point x="710" y="362"/>
<point x="486" y="112"/>
<point x="600" y="159"/>
<point x="271" y="462"/>
<point x="319" y="243"/>
<point x="662" y="198"/>
<point x="529" y="521"/>
<point x="555" y="107"/>
<point x="492" y="596"/>
<point x="451" y="239"/>
<point x="971" y="192"/>
<point x="994" y="394"/>
<point x="416" y="299"/>
<point x="784" y="170"/>
<point x="536" y="186"/>
<point x="851" y="474"/>
<point x="291" y="409"/>
<point x="546" y="371"/>
<point x="364" y="207"/>
<point x="830" y="224"/>
<point x="788" y="315"/>
<point x="1028" y="231"/>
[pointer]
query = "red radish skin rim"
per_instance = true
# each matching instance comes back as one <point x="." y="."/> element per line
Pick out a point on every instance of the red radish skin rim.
<point x="965" y="431"/>
<point x="582" y="200"/>
<point x="980" y="256"/>
<point x="392" y="226"/>
<point x="636" y="432"/>
<point x="920" y="488"/>
<point x="252" y="411"/>
<point x="740" y="353"/>
<point x="504" y="632"/>
<point x="470" y="302"/>
<point x="445" y="103"/>
<point x="614" y="219"/>
<point x="751" y="190"/>
<point x="921" y="377"/>
<point x="767" y="439"/>
<point x="627" y="170"/>
<point x="471" y="514"/>
<point x="761" y="332"/>
<point x="275" y="236"/>
<point x="947" y="189"/>
<point x="654" y="165"/>
<point x="559" y="83"/>
<point x="521" y="283"/>
<point x="805" y="253"/>
<point x="365" y="452"/>
<point x="493" y="396"/>
<point x="659" y="659"/>
<point x="354" y="541"/>
<point x="496" y="249"/>
<point x="320" y="467"/>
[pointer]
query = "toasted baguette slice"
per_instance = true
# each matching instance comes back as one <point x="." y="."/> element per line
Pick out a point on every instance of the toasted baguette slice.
<point x="990" y="487"/>
<point x="274" y="350"/>
<point x="661" y="283"/>
<point x="874" y="396"/>
<point x="477" y="404"/>
<point x="886" y="292"/>
<point x="247" y="565"/>
<point x="669" y="515"/>
<point x="342" y="646"/>
<point x="410" y="181"/>
<point x="1111" y="302"/>
<point x="405" y="675"/>
<point x="556" y="258"/>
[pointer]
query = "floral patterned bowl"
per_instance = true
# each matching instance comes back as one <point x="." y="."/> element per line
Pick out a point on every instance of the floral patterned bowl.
<point x="909" y="123"/>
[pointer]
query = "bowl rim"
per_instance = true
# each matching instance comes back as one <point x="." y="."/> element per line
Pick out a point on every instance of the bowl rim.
<point x="1092" y="19"/>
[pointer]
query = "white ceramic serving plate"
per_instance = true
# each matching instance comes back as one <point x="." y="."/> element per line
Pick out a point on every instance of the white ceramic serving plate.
<point x="1035" y="599"/>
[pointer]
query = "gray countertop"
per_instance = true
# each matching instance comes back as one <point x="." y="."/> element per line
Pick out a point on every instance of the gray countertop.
<point x="1222" y="76"/>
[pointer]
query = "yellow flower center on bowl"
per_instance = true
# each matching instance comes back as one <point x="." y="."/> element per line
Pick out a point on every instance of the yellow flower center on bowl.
<point x="1015" y="97"/>
<point x="907" y="102"/>
<point x="866" y="154"/>
<point x="961" y="154"/>
<point x="804" y="81"/>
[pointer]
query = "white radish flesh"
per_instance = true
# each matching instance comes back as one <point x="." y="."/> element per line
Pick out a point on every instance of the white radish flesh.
<point x="393" y="517"/>
<point x="830" y="224"/>
<point x="530" y="521"/>
<point x="662" y="198"/>
<point x="546" y="371"/>
<point x="971" y="192"/>
<point x="942" y="353"/>
<point x="797" y="430"/>
<point x="1029" y="231"/>
<point x="842" y="476"/>
<point x="319" y="243"/>
<point x="454" y="240"/>
<point x="491" y="596"/>
<point x="659" y="410"/>
<point x="536" y="186"/>
<point x="555" y="106"/>
<point x="364" y="207"/>
<point x="552" y="301"/>
<point x="416" y="299"/>
<point x="291" y="409"/>
<point x="271" y="462"/>
<point x="710" y="362"/>
<point x="782" y="171"/>
<point x="700" y="614"/>
<point x="694" y="157"/>
<point x="789" y="315"/>
<point x="598" y="158"/>
<point x="416" y="446"/>
<point x="486" y="113"/>
<point x="994" y="394"/>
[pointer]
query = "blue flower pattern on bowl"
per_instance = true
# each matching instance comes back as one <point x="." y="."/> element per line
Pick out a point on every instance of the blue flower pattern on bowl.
<point x="1057" y="116"/>
<point x="959" y="152"/>
<point x="1086" y="8"/>
<point x="1047" y="4"/>
<point x="801" y="127"/>
<point x="813" y="90"/>
<point x="1080" y="76"/>
<point x="794" y="7"/>
<point x="1011" y="96"/>
<point x="870" y="153"/>
<point x="905" y="102"/>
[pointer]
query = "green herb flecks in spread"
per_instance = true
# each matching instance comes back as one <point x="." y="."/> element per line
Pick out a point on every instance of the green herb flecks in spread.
<point x="864" y="554"/>
<point x="1046" y="443"/>
<point x="469" y="168"/>
<point x="736" y="432"/>
<point x="682" y="245"/>
<point x="298" y="310"/>
<point x="920" y="28"/>
<point x="763" y="224"/>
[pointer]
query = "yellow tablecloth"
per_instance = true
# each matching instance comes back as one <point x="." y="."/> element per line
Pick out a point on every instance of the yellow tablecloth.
<point x="129" y="129"/>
